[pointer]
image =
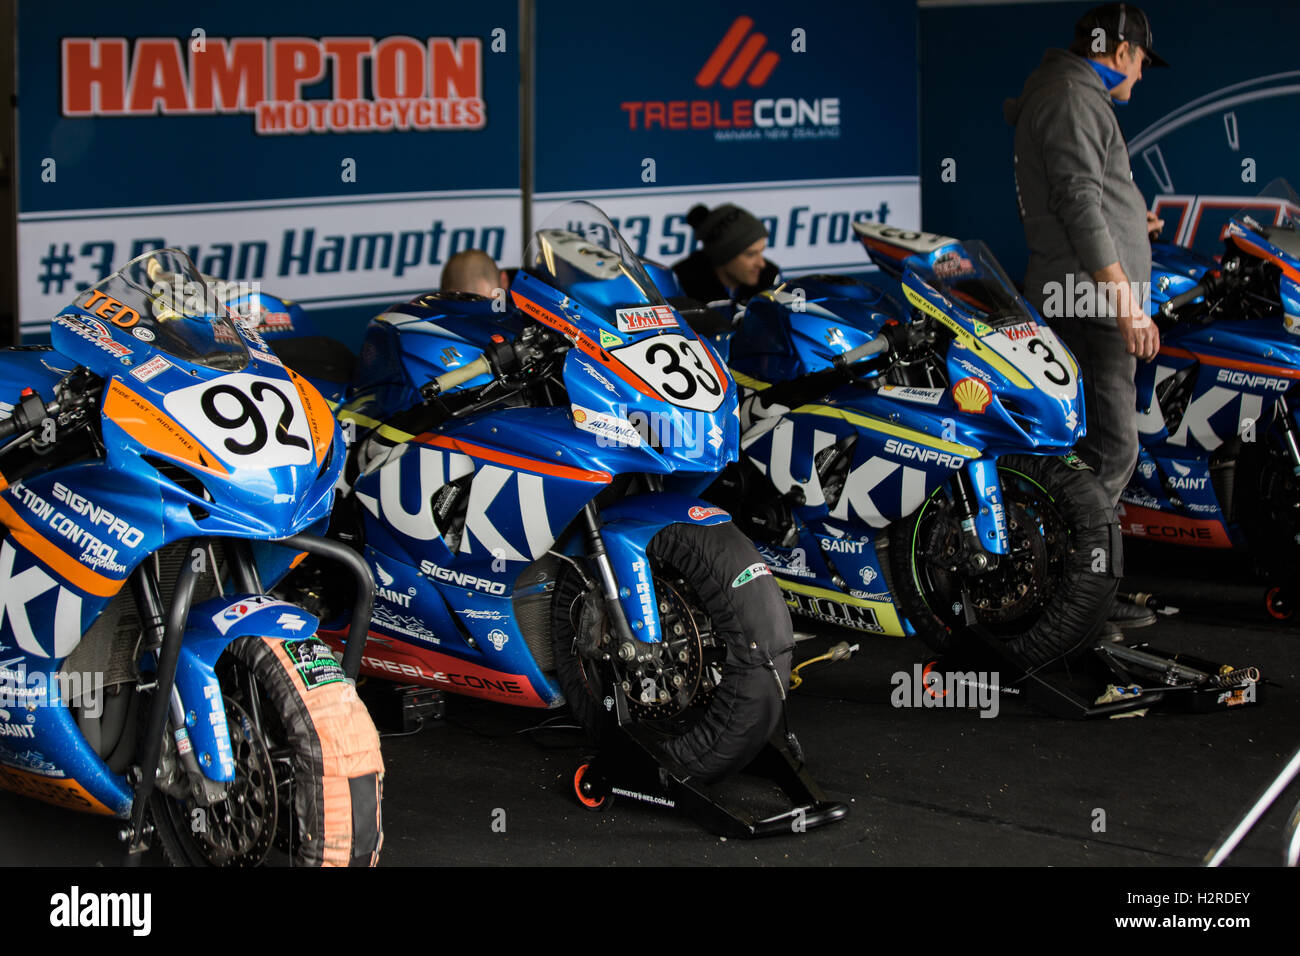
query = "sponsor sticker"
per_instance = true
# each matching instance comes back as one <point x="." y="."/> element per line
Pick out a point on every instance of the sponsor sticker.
<point x="699" y="514"/>
<point x="645" y="318"/>
<point x="315" y="663"/>
<point x="609" y="339"/>
<point x="155" y="366"/>
<point x="913" y="393"/>
<point x="756" y="570"/>
<point x="971" y="395"/>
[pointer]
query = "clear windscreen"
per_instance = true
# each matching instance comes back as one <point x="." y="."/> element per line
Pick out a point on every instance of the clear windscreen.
<point x="578" y="251"/>
<point x="1275" y="215"/>
<point x="970" y="275"/>
<point x="161" y="299"/>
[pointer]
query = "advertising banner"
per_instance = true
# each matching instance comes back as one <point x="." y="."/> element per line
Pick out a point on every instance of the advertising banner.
<point x="337" y="155"/>
<point x="782" y="110"/>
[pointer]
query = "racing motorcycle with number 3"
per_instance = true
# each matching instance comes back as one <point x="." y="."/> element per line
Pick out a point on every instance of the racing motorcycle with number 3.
<point x="524" y="486"/>
<point x="159" y="468"/>
<point x="1217" y="408"/>
<point x="908" y="471"/>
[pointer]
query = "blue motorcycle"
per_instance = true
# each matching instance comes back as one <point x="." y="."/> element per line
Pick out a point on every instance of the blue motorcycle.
<point x="157" y="443"/>
<point x="524" y="484"/>
<point x="1217" y="408"/>
<point x="907" y="469"/>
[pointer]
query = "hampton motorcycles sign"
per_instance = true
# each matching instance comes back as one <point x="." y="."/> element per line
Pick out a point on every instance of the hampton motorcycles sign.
<point x="373" y="84"/>
<point x="339" y="165"/>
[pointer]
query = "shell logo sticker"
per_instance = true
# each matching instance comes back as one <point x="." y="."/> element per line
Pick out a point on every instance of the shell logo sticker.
<point x="971" y="395"/>
<point x="579" y="415"/>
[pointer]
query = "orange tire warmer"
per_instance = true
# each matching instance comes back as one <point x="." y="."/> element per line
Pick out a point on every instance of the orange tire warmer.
<point x="338" y="769"/>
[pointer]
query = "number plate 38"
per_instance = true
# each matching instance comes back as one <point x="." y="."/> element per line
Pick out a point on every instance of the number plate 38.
<point x="246" y="420"/>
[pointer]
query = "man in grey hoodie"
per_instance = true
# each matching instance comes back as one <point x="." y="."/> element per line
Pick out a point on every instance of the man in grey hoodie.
<point x="1086" y="222"/>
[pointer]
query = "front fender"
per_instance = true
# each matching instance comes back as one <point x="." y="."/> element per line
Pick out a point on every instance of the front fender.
<point x="990" y="517"/>
<point x="213" y="625"/>
<point x="628" y="527"/>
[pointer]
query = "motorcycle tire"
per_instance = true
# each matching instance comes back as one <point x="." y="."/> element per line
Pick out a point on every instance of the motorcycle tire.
<point x="308" y="787"/>
<point x="733" y="655"/>
<point x="1266" y="502"/>
<point x="1048" y="597"/>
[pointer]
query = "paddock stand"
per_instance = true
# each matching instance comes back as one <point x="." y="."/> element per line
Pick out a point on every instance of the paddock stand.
<point x="630" y="763"/>
<point x="1140" y="675"/>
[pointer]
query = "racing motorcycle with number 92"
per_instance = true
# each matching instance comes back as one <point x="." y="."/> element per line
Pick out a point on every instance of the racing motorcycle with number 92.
<point x="159" y="471"/>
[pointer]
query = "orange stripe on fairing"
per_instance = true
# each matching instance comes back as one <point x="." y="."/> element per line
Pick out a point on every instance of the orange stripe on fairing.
<point x="60" y="791"/>
<point x="898" y="252"/>
<point x="1239" y="364"/>
<point x="1289" y="270"/>
<point x="515" y="461"/>
<point x="585" y="345"/>
<point x="4" y="482"/>
<point x="156" y="430"/>
<point x="349" y="748"/>
<point x="1140" y="522"/>
<point x="55" y="558"/>
<point x="319" y="418"/>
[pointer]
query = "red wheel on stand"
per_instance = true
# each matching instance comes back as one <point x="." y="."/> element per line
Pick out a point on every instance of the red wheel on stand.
<point x="584" y="790"/>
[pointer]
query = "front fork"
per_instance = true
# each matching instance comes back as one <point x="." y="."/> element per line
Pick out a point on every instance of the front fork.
<point x="1290" y="433"/>
<point x="978" y="499"/>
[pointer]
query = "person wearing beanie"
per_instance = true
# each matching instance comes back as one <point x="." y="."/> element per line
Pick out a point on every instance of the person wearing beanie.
<point x="1086" y="224"/>
<point x="729" y="266"/>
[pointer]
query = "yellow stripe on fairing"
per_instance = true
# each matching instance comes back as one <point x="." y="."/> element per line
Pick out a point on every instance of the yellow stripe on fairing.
<point x="745" y="381"/>
<point x="885" y="613"/>
<point x="888" y="428"/>
<point x="982" y="351"/>
<point x="385" y="431"/>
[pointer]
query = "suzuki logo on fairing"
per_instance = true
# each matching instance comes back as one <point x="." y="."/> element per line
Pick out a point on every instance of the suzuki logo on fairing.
<point x="17" y="590"/>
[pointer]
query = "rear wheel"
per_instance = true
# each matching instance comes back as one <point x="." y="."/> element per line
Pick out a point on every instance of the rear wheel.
<point x="714" y="687"/>
<point x="308" y="772"/>
<point x="1045" y="598"/>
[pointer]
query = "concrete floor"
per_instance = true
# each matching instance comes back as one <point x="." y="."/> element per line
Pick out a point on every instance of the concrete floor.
<point x="926" y="787"/>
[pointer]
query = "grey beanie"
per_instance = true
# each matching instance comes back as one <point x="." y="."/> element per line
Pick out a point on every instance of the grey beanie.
<point x="725" y="231"/>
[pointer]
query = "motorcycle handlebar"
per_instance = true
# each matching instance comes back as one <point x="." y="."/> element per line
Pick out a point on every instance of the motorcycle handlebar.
<point x="1207" y="284"/>
<point x="458" y="376"/>
<point x="874" y="347"/>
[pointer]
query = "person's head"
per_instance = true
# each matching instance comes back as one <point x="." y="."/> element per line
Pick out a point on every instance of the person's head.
<point x="733" y="242"/>
<point x="1119" y="36"/>
<point x="472" y="270"/>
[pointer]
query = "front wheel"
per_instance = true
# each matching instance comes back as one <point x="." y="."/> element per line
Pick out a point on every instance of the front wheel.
<point x="308" y="772"/>
<point x="713" y="689"/>
<point x="1046" y="597"/>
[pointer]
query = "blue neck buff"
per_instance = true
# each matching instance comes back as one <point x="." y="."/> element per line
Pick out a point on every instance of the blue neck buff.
<point x="1109" y="79"/>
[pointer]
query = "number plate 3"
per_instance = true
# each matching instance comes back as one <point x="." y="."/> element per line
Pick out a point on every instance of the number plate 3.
<point x="248" y="421"/>
<point x="677" y="368"/>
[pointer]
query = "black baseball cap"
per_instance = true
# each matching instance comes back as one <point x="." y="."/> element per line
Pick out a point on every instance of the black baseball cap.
<point x="1119" y="22"/>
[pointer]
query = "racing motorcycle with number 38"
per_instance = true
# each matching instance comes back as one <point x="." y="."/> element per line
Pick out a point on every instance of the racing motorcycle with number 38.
<point x="525" y="485"/>
<point x="908" y="470"/>
<point x="158" y="469"/>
